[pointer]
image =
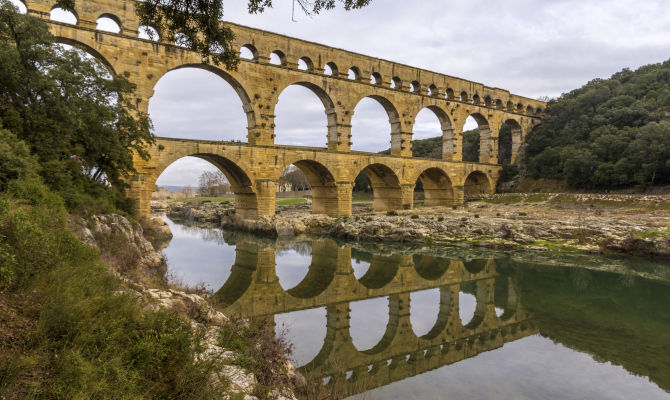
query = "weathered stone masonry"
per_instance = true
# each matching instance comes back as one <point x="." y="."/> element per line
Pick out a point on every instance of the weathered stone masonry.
<point x="254" y="167"/>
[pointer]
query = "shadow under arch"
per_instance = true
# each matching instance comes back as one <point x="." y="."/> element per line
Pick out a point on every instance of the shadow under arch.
<point x="476" y="184"/>
<point x="322" y="183"/>
<point x="476" y="266"/>
<point x="87" y="49"/>
<point x="235" y="84"/>
<point x="385" y="187"/>
<point x="381" y="272"/>
<point x="437" y="188"/>
<point x="447" y="130"/>
<point x="391" y="112"/>
<point x="430" y="268"/>
<point x="321" y="270"/>
<point x="328" y="105"/>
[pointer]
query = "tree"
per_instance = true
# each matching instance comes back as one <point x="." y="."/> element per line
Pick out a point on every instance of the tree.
<point x="213" y="184"/>
<point x="294" y="178"/>
<point x="76" y="118"/>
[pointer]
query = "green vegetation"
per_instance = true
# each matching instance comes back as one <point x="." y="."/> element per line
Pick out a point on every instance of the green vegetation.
<point x="78" y="120"/>
<point x="67" y="327"/>
<point x="610" y="133"/>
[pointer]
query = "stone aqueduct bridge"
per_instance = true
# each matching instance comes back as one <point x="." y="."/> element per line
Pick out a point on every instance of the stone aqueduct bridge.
<point x="253" y="289"/>
<point x="254" y="168"/>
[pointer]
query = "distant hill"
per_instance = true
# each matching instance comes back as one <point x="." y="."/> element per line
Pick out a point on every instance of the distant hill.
<point x="610" y="133"/>
<point x="173" y="188"/>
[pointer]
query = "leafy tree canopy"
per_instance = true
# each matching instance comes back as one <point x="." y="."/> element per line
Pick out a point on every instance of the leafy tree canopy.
<point x="77" y="119"/>
<point x="610" y="133"/>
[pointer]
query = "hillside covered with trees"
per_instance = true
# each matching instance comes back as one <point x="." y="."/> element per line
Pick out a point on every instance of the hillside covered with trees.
<point x="610" y="133"/>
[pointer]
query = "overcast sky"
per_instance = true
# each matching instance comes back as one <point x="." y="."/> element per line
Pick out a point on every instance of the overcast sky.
<point x="530" y="47"/>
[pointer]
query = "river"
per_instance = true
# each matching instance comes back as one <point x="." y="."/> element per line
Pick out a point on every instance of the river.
<point x="380" y="321"/>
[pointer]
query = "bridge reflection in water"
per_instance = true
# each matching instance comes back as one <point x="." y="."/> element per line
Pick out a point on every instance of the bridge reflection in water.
<point x="253" y="290"/>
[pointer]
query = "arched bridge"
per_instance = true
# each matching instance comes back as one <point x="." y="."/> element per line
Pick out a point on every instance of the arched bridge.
<point x="253" y="290"/>
<point x="340" y="79"/>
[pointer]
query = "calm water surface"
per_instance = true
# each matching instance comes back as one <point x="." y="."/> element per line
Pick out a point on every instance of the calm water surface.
<point x="381" y="322"/>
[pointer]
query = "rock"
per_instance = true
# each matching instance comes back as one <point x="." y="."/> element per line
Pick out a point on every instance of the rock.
<point x="241" y="381"/>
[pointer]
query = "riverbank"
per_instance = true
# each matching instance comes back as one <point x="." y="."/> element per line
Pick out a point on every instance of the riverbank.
<point x="591" y="223"/>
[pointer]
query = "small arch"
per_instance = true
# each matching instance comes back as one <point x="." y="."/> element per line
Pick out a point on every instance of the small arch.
<point x="376" y="78"/>
<point x="519" y="108"/>
<point x="433" y="91"/>
<point x="476" y="100"/>
<point x="108" y="23"/>
<point x="539" y="111"/>
<point x="354" y="74"/>
<point x="530" y="110"/>
<point x="182" y="40"/>
<point x="510" y="106"/>
<point x="476" y="185"/>
<point x="277" y="57"/>
<point x="60" y="14"/>
<point x="415" y="87"/>
<point x="464" y="97"/>
<point x="449" y="94"/>
<point x="386" y="190"/>
<point x="499" y="104"/>
<point x="396" y="83"/>
<point x="305" y="64"/>
<point x="330" y="69"/>
<point x="488" y="102"/>
<point x="20" y="6"/>
<point x="437" y="188"/>
<point x="148" y="33"/>
<point x="248" y="52"/>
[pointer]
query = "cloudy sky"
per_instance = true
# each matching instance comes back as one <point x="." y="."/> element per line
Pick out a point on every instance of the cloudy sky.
<point x="531" y="47"/>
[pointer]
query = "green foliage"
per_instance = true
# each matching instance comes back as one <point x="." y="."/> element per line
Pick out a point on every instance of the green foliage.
<point x="610" y="133"/>
<point x="471" y="145"/>
<point x="78" y="121"/>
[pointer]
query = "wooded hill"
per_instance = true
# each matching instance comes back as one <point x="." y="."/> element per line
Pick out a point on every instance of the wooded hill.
<point x="610" y="133"/>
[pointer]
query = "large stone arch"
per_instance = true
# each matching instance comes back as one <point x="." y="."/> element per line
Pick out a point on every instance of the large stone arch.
<point x="448" y="139"/>
<point x="88" y="49"/>
<point x="323" y="184"/>
<point x="386" y="187"/>
<point x="448" y="302"/>
<point x="430" y="268"/>
<point x="477" y="184"/>
<point x="241" y="183"/>
<point x="242" y="92"/>
<point x="391" y="112"/>
<point x="437" y="187"/>
<point x="488" y="143"/>
<point x="326" y="100"/>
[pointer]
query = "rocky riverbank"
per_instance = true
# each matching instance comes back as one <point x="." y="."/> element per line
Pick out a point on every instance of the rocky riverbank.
<point x="142" y="271"/>
<point x="594" y="223"/>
